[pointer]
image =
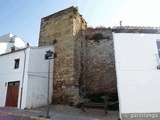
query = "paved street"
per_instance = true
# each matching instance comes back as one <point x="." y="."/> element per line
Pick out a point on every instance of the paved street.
<point x="57" y="112"/>
<point x="10" y="117"/>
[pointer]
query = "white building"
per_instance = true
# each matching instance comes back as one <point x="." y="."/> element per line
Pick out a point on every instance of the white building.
<point x="10" y="42"/>
<point x="138" y="77"/>
<point x="24" y="77"/>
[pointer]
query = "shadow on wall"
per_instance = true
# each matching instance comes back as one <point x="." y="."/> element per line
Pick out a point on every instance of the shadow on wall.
<point x="98" y="75"/>
<point x="113" y="103"/>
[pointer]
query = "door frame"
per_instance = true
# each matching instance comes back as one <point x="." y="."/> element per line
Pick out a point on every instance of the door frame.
<point x="12" y="94"/>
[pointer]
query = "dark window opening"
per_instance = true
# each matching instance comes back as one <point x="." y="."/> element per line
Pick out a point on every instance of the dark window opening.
<point x="11" y="41"/>
<point x="158" y="47"/>
<point x="16" y="65"/>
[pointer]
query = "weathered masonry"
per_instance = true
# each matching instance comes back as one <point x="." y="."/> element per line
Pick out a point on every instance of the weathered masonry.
<point x="67" y="28"/>
<point x="100" y="65"/>
<point x="85" y="61"/>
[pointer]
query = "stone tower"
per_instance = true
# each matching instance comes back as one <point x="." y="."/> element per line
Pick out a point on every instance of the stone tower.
<point x="67" y="28"/>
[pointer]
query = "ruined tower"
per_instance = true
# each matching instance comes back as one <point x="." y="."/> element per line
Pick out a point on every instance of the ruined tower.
<point x="66" y="28"/>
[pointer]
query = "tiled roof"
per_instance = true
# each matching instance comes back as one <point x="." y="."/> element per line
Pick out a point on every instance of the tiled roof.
<point x="136" y="29"/>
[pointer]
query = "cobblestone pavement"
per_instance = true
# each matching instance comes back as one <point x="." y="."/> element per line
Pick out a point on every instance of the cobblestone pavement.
<point x="10" y="117"/>
<point x="95" y="114"/>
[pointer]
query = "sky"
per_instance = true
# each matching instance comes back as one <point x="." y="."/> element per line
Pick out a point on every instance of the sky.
<point x="23" y="17"/>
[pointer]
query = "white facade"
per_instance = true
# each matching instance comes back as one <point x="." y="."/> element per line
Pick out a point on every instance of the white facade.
<point x="138" y="79"/>
<point x="32" y="74"/>
<point x="8" y="41"/>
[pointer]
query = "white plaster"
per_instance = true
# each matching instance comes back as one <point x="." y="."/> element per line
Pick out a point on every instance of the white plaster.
<point x="9" y="40"/>
<point x="38" y="77"/>
<point x="35" y="79"/>
<point x="6" y="37"/>
<point x="8" y="73"/>
<point x="138" y="79"/>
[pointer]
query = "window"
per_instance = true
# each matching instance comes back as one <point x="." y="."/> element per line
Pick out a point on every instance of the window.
<point x="11" y="41"/>
<point x="16" y="65"/>
<point x="158" y="55"/>
<point x="158" y="47"/>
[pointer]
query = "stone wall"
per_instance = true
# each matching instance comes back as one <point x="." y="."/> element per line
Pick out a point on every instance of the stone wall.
<point x="85" y="58"/>
<point x="85" y="62"/>
<point x="79" y="51"/>
<point x="67" y="28"/>
<point x="100" y="65"/>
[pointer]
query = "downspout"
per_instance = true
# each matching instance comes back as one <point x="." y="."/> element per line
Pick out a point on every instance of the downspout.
<point x="24" y="66"/>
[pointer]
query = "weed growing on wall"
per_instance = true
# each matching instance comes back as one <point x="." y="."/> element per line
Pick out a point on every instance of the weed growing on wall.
<point x="97" y="37"/>
<point x="76" y="11"/>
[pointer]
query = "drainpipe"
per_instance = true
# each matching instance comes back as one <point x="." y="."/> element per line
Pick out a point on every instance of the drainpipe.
<point x="24" y="66"/>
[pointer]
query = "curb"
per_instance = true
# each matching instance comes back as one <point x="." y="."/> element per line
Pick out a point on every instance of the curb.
<point x="24" y="115"/>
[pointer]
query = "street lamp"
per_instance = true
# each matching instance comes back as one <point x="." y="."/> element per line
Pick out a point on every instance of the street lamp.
<point x="49" y="55"/>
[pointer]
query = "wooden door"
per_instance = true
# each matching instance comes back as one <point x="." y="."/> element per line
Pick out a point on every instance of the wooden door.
<point x="12" y="94"/>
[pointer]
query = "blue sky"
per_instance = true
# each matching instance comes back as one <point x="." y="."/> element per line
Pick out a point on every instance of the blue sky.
<point x="22" y="17"/>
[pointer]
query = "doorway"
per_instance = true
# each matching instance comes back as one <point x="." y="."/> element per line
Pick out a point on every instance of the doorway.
<point x="12" y="94"/>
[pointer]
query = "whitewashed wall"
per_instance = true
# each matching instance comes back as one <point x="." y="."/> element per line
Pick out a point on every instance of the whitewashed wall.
<point x="38" y="77"/>
<point x="34" y="82"/>
<point x="6" y="44"/>
<point x="5" y="47"/>
<point x="19" y="43"/>
<point x="6" y="37"/>
<point x="9" y="74"/>
<point x="138" y="79"/>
